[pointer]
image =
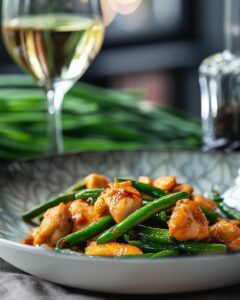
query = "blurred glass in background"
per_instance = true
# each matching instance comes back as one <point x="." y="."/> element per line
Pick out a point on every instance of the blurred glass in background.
<point x="156" y="45"/>
<point x="152" y="45"/>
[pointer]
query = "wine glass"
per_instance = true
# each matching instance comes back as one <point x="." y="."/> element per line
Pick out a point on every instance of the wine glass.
<point x="55" y="41"/>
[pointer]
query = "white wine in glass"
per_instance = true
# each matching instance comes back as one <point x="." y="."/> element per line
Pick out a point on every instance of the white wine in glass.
<point x="55" y="44"/>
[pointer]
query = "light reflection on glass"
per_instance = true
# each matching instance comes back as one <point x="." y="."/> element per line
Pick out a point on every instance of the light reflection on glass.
<point x="112" y="7"/>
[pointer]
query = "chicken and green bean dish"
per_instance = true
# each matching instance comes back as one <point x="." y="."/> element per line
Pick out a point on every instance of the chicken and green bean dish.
<point x="134" y="219"/>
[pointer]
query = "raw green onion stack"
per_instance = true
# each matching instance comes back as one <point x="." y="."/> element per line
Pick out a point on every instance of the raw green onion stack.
<point x="93" y="119"/>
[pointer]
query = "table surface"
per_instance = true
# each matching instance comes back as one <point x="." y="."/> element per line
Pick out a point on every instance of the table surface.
<point x="15" y="284"/>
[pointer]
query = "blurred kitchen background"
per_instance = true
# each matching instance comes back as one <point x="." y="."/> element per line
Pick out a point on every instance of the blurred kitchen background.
<point x="158" y="47"/>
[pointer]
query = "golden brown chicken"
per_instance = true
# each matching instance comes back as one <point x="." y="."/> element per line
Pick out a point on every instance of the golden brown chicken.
<point x="227" y="232"/>
<point x="182" y="188"/>
<point x="235" y="222"/>
<point x="146" y="179"/>
<point x="111" y="249"/>
<point x="120" y="200"/>
<point x="29" y="240"/>
<point x="95" y="180"/>
<point x="204" y="202"/>
<point x="188" y="222"/>
<point x="82" y="214"/>
<point x="56" y="224"/>
<point x="165" y="183"/>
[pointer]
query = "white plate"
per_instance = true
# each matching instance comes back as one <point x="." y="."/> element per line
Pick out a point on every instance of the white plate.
<point x="25" y="184"/>
<point x="169" y="275"/>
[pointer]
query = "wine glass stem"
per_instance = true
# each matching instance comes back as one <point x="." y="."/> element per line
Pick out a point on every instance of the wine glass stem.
<point x="55" y="139"/>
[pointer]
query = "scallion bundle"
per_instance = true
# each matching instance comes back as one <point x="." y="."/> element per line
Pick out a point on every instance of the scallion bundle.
<point x="93" y="118"/>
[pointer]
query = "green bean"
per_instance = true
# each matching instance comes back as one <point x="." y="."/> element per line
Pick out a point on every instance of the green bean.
<point x="40" y="218"/>
<point x="40" y="209"/>
<point x="65" y="197"/>
<point x="163" y="216"/>
<point x="201" y="248"/>
<point x="229" y="212"/>
<point x="216" y="196"/>
<point x="160" y="218"/>
<point x="165" y="253"/>
<point x="210" y="215"/>
<point x="153" y="235"/>
<point x="152" y="247"/>
<point x="76" y="187"/>
<point x="144" y="255"/>
<point x="86" y="233"/>
<point x="92" y="194"/>
<point x="144" y="188"/>
<point x="141" y="215"/>
<point x="186" y="247"/>
<point x="126" y="238"/>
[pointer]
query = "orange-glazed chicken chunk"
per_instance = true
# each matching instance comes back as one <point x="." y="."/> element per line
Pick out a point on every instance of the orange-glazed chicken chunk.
<point x="55" y="225"/>
<point x="165" y="183"/>
<point x="188" y="222"/>
<point x="182" y="188"/>
<point x="120" y="200"/>
<point x="235" y="222"/>
<point x="95" y="181"/>
<point x="227" y="232"/>
<point x="111" y="249"/>
<point x="146" y="179"/>
<point x="82" y="214"/>
<point x="204" y="202"/>
<point x="29" y="240"/>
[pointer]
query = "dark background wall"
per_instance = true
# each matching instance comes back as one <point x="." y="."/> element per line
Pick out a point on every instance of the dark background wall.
<point x="158" y="48"/>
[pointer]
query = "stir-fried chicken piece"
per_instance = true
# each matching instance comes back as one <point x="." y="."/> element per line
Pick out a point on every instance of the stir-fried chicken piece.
<point x="182" y="188"/>
<point x="165" y="183"/>
<point x="234" y="246"/>
<point x="235" y="222"/>
<point x="204" y="202"/>
<point x="188" y="222"/>
<point x="146" y="179"/>
<point x="95" y="180"/>
<point x="30" y="238"/>
<point x="55" y="225"/>
<point x="111" y="249"/>
<point x="82" y="214"/>
<point x="227" y="232"/>
<point x="100" y="207"/>
<point x="120" y="199"/>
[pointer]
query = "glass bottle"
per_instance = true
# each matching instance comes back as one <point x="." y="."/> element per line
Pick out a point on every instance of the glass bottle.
<point x="219" y="77"/>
